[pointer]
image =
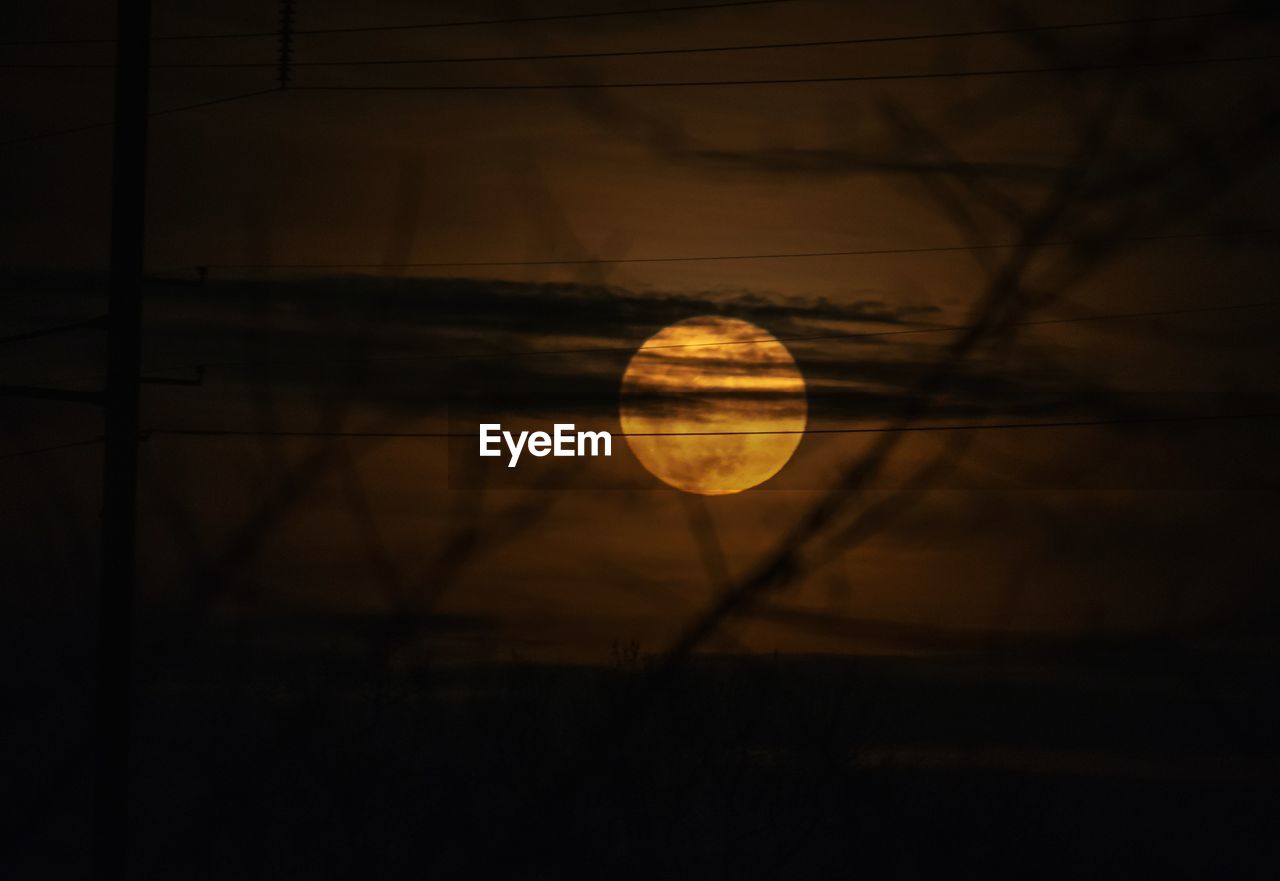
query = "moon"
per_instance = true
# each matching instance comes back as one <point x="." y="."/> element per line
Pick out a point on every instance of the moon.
<point x="711" y="374"/>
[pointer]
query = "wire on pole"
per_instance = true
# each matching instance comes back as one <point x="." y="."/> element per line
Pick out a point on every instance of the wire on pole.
<point x="657" y="51"/>
<point x="99" y="321"/>
<point x="905" y="428"/>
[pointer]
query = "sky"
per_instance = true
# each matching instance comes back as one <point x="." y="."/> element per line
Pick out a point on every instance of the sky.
<point x="325" y="220"/>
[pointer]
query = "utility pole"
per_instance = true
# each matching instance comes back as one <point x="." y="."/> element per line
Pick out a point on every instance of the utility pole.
<point x="284" y="71"/>
<point x="120" y="442"/>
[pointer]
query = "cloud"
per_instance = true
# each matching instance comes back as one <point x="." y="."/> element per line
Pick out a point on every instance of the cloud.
<point x="556" y="349"/>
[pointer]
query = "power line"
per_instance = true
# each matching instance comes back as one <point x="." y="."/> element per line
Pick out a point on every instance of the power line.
<point x="852" y="41"/>
<point x="828" y="337"/>
<point x="633" y="53"/>
<point x="163" y="112"/>
<point x="50" y="449"/>
<point x="428" y="435"/>
<point x="645" y="85"/>
<point x="708" y="258"/>
<point x="955" y="328"/>
<point x="952" y="328"/>
<point x="813" y="338"/>
<point x="784" y="81"/>
<point x="475" y="22"/>
<point x="51" y="331"/>
<point x="528" y="19"/>
<point x="988" y="426"/>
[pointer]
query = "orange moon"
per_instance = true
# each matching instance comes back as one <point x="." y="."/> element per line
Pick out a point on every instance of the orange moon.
<point x="712" y="374"/>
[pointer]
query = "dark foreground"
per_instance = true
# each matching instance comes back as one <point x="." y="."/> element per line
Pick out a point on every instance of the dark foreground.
<point x="253" y="761"/>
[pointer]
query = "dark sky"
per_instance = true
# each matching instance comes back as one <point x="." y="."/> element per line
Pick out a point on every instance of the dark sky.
<point x="1157" y="171"/>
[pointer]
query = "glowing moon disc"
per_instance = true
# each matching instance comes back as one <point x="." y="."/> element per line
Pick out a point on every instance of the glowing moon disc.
<point x="712" y="374"/>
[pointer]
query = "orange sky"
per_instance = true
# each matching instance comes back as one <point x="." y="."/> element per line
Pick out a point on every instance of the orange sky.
<point x="1077" y="530"/>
